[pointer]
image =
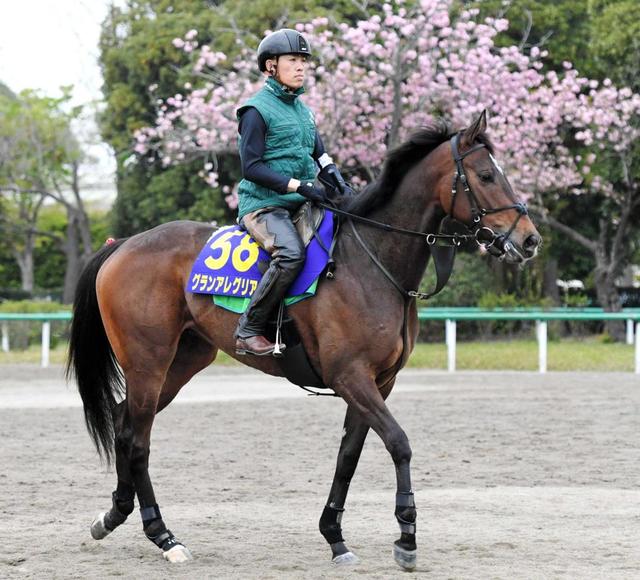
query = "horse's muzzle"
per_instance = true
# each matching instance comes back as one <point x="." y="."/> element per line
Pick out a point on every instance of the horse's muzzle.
<point x="520" y="253"/>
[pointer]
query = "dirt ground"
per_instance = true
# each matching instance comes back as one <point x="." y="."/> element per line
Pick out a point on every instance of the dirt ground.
<point x="516" y="475"/>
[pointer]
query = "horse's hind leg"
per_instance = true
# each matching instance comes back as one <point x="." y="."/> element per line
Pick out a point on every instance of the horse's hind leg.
<point x="143" y="395"/>
<point x="192" y="355"/>
<point x="124" y="494"/>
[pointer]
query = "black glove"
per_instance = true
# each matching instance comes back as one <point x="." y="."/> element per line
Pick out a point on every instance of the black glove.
<point x="311" y="192"/>
<point x="331" y="177"/>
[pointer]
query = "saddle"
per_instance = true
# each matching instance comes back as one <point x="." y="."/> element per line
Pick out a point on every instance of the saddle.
<point x="307" y="221"/>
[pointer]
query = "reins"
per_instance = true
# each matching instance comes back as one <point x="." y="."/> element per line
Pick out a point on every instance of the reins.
<point x="430" y="238"/>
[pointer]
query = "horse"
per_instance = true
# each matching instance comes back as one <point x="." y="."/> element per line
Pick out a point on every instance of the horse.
<point x="137" y="337"/>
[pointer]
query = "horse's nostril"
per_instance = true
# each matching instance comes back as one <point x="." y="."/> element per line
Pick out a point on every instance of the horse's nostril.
<point x="532" y="242"/>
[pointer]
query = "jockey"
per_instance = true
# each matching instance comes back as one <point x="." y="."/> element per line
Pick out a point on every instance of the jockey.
<point x="280" y="153"/>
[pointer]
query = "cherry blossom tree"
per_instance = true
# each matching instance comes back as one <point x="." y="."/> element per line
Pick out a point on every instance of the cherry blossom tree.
<point x="371" y="84"/>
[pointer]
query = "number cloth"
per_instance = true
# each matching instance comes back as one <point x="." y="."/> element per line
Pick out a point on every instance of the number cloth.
<point x="229" y="266"/>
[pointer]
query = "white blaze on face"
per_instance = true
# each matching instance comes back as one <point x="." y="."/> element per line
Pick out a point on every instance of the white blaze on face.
<point x="493" y="159"/>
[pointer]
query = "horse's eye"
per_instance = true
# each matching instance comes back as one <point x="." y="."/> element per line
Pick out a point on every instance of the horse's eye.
<point x="486" y="177"/>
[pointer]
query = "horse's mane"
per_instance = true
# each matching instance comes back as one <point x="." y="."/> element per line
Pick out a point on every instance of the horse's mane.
<point x="399" y="161"/>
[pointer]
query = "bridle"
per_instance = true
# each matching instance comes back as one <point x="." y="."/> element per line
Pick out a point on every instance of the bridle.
<point x="496" y="244"/>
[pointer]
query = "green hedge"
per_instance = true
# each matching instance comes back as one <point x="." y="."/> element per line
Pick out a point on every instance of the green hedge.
<point x="23" y="333"/>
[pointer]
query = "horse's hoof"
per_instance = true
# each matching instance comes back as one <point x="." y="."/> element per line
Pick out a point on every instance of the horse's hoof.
<point x="346" y="559"/>
<point x="98" y="529"/>
<point x="406" y="559"/>
<point x="177" y="554"/>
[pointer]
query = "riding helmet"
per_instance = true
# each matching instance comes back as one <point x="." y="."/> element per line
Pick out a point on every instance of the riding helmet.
<point x="283" y="41"/>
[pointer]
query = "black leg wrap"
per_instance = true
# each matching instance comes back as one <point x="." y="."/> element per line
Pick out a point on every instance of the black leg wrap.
<point x="155" y="529"/>
<point x="164" y="540"/>
<point x="406" y="514"/>
<point x="330" y="526"/>
<point x="121" y="507"/>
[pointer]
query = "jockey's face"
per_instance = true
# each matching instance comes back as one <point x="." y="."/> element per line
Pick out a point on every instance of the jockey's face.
<point x="288" y="69"/>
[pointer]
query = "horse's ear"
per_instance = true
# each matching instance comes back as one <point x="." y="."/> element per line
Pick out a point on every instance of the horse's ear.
<point x="476" y="128"/>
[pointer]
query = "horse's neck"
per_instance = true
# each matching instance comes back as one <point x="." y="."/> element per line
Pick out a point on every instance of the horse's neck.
<point x="411" y="207"/>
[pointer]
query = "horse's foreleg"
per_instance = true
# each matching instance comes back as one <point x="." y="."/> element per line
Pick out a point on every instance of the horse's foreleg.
<point x="368" y="402"/>
<point x="123" y="496"/>
<point x="354" y="434"/>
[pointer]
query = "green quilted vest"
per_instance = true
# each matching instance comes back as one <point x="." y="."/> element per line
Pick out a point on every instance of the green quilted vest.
<point x="289" y="145"/>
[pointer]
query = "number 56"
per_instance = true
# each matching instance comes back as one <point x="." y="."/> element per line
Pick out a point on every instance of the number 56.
<point x="243" y="257"/>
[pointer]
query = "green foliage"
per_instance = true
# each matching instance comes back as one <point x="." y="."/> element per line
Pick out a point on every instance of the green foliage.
<point x="615" y="41"/>
<point x="50" y="261"/>
<point x="135" y="53"/>
<point x="493" y="300"/>
<point x="9" y="271"/>
<point x="575" y="300"/>
<point x="39" y="157"/>
<point x="475" y="282"/>
<point x="561" y="27"/>
<point x="5" y="91"/>
<point x="507" y="301"/>
<point x="32" y="306"/>
<point x="148" y="198"/>
<point x="37" y="144"/>
<point x="600" y="37"/>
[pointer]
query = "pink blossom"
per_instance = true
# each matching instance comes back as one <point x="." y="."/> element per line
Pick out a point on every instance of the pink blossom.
<point x="448" y="64"/>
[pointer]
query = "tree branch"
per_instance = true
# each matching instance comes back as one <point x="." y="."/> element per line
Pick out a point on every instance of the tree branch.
<point x="43" y="192"/>
<point x="527" y="31"/>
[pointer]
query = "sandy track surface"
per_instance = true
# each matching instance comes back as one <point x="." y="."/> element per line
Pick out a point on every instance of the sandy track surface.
<point x="516" y="475"/>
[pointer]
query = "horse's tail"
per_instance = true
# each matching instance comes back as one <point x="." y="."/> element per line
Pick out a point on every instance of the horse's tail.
<point x="91" y="359"/>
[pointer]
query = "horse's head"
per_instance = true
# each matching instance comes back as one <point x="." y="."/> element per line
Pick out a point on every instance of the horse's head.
<point x="482" y="198"/>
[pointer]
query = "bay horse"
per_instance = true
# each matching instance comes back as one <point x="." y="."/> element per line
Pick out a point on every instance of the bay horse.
<point x="137" y="333"/>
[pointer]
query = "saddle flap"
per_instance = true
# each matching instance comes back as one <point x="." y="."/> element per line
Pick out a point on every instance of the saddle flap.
<point x="307" y="221"/>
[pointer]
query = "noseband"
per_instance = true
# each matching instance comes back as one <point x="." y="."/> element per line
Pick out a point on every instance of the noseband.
<point x="496" y="244"/>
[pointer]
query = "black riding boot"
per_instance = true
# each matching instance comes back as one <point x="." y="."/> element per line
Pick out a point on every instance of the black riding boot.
<point x="275" y="232"/>
<point x="252" y="323"/>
